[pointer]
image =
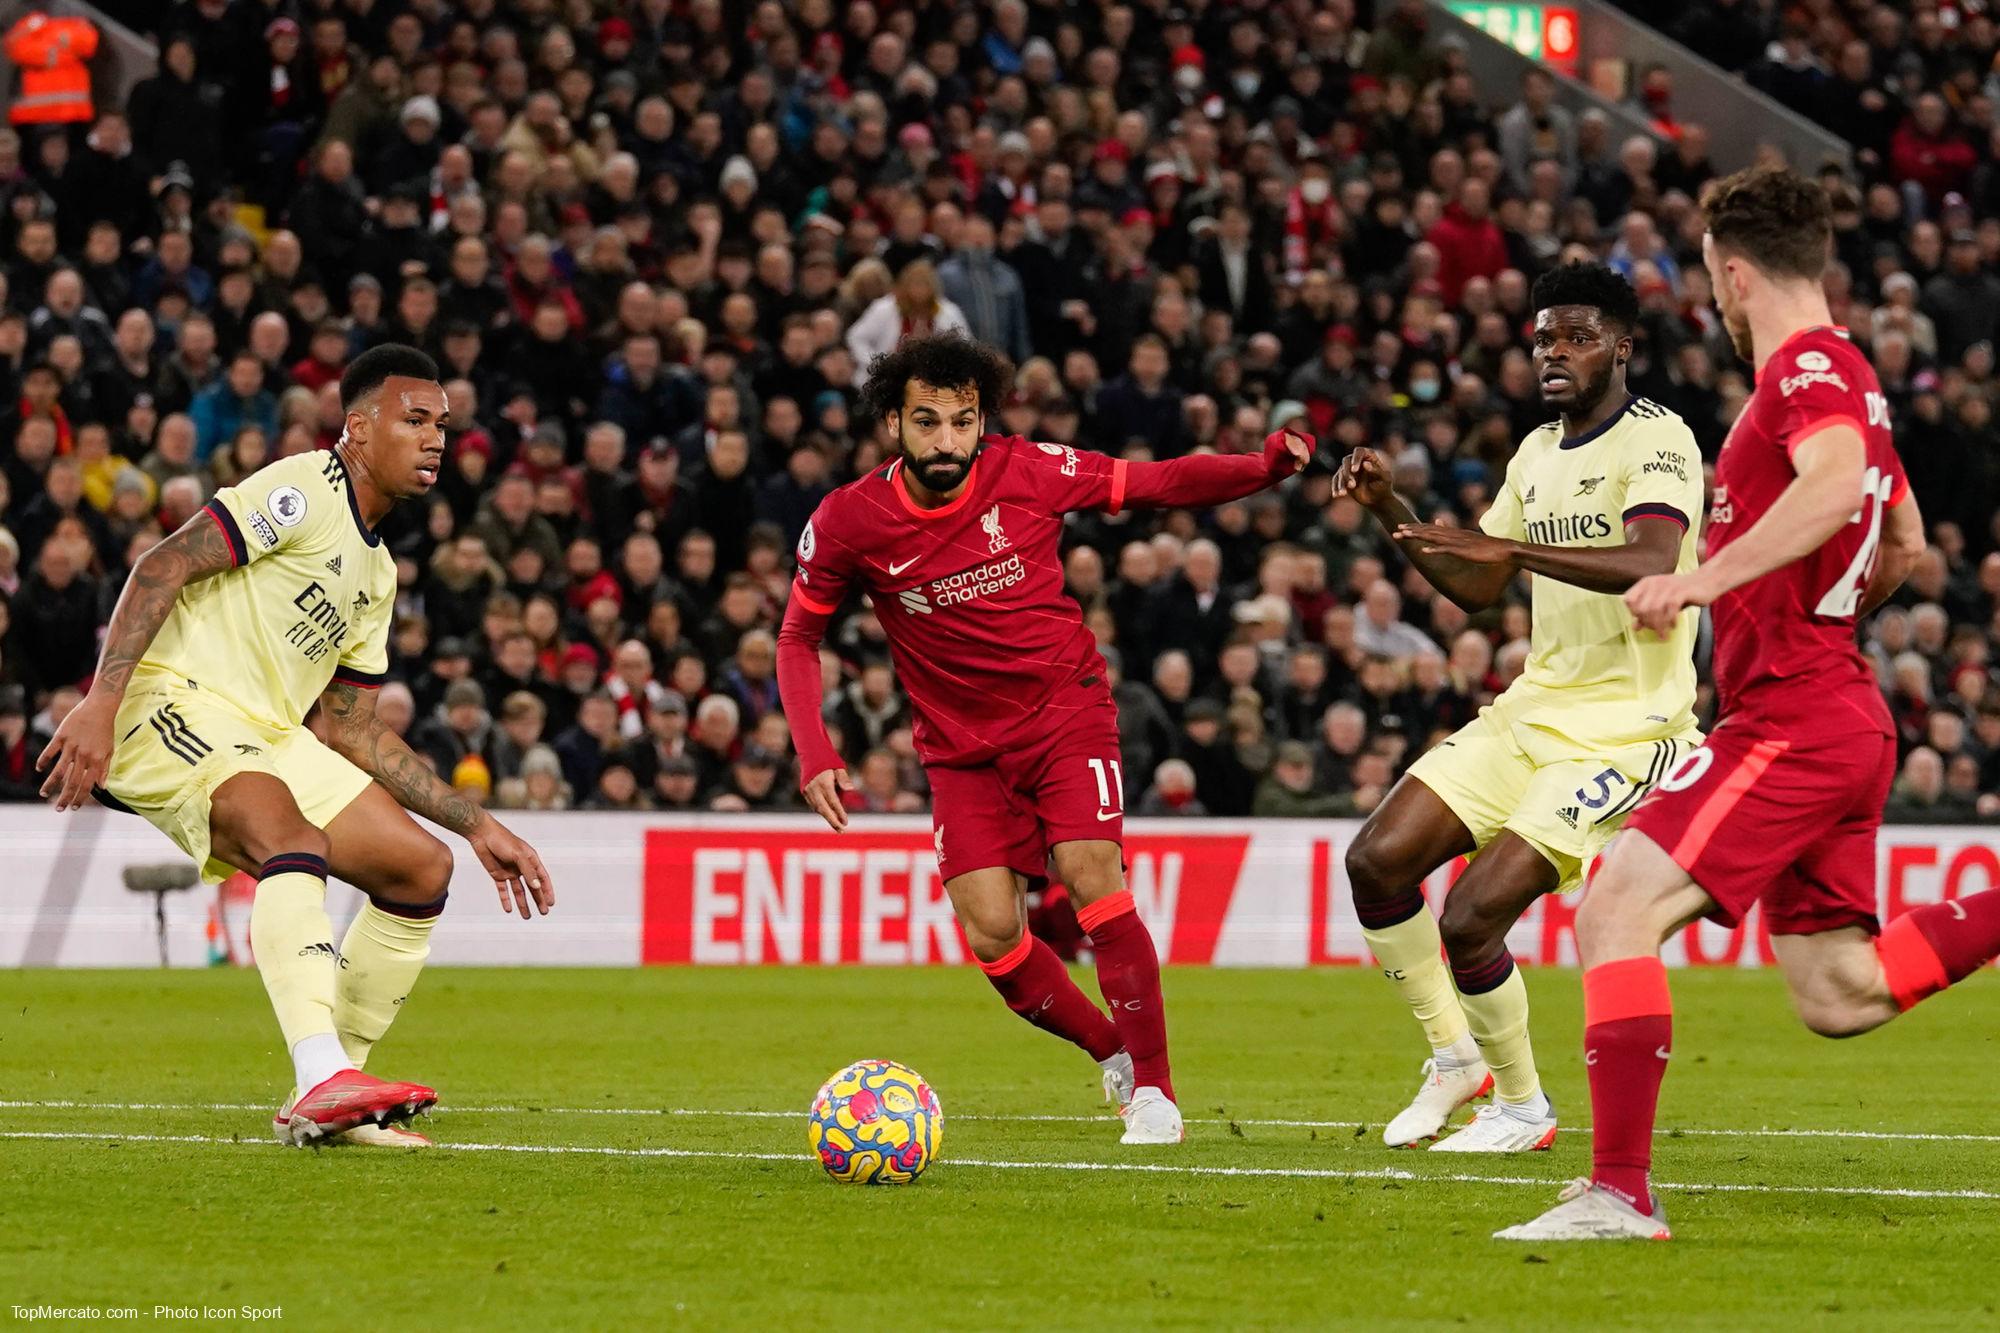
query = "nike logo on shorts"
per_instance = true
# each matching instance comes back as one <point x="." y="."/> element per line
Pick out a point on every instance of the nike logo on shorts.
<point x="1103" y="815"/>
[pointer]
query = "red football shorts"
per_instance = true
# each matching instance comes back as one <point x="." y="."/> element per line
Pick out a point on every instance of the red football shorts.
<point x="1778" y="811"/>
<point x="1062" y="787"/>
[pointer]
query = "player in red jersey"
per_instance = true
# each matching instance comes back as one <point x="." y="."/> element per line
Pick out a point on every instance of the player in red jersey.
<point x="1812" y="524"/>
<point x="958" y="543"/>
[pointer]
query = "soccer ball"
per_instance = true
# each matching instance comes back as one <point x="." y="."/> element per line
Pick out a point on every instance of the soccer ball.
<point x="875" y="1123"/>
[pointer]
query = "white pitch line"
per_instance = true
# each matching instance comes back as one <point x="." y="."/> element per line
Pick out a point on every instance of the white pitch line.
<point x="1142" y="1168"/>
<point x="699" y="1113"/>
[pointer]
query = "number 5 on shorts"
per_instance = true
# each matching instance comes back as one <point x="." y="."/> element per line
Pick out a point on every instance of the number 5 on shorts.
<point x="1111" y="789"/>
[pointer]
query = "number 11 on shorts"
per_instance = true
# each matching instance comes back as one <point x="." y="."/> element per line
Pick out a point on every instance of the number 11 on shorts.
<point x="1111" y="788"/>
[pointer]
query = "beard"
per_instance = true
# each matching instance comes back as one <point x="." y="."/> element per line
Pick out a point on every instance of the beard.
<point x="1590" y="393"/>
<point x="938" y="472"/>
<point x="1739" y="337"/>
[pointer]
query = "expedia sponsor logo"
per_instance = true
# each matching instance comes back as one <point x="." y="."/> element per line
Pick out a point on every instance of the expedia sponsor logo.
<point x="1064" y="452"/>
<point x="1568" y="528"/>
<point x="1791" y="384"/>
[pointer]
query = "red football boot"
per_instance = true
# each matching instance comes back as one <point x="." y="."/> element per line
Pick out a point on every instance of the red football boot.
<point x="348" y="1099"/>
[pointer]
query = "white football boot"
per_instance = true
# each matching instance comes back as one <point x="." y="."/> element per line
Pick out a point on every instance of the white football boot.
<point x="1586" y="1212"/>
<point x="1442" y="1092"/>
<point x="1151" y="1118"/>
<point x="1118" y="1079"/>
<point x="1497" y="1128"/>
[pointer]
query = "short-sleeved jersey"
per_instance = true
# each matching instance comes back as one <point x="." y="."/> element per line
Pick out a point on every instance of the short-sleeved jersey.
<point x="1592" y="676"/>
<point x="1793" y="628"/>
<point x="970" y="595"/>
<point x="312" y="595"/>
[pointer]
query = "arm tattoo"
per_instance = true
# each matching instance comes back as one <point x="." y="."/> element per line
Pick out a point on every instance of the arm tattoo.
<point x="354" y="731"/>
<point x="197" y="550"/>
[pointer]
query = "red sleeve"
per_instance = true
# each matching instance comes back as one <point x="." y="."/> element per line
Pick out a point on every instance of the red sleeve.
<point x="1198" y="481"/>
<point x="799" y="687"/>
<point x="1817" y="390"/>
<point x="1071" y="478"/>
<point x="825" y="573"/>
<point x="1067" y="478"/>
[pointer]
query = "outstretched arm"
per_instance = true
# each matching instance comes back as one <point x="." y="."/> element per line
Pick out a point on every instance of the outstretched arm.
<point x="1652" y="546"/>
<point x="1202" y="480"/>
<point x="354" y="731"/>
<point x="823" y="776"/>
<point x="1473" y="584"/>
<point x="80" y="751"/>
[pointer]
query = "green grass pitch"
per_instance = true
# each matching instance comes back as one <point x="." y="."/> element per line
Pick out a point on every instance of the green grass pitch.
<point x="572" y="1095"/>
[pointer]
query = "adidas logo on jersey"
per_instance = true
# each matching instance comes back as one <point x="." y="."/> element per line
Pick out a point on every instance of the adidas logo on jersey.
<point x="333" y="565"/>
<point x="1567" y="815"/>
<point x="1528" y="497"/>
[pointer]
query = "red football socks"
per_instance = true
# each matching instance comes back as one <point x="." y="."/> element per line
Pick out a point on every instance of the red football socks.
<point x="1628" y="1032"/>
<point x="1036" y="985"/>
<point x="1128" y="972"/>
<point x="1927" y="949"/>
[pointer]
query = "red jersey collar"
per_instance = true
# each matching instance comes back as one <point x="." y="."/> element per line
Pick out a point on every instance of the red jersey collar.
<point x="916" y="510"/>
<point x="1840" y="329"/>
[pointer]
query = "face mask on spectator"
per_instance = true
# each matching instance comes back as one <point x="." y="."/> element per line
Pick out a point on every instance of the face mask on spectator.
<point x="1424" y="391"/>
<point x="1189" y="78"/>
<point x="1315" y="191"/>
<point x="1246" y="83"/>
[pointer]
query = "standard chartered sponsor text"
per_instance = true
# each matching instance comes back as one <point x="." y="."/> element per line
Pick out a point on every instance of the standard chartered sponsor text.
<point x="972" y="584"/>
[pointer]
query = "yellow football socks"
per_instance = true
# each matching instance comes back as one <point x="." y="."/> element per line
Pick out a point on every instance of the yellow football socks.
<point x="1498" y="1019"/>
<point x="1410" y="952"/>
<point x="384" y="951"/>
<point x="293" y="941"/>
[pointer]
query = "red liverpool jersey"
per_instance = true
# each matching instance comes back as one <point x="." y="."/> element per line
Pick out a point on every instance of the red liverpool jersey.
<point x="1793" y="629"/>
<point x="990" y="648"/>
<point x="970" y="595"/>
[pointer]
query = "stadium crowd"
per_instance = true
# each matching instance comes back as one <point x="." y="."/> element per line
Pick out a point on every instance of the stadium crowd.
<point x="654" y="247"/>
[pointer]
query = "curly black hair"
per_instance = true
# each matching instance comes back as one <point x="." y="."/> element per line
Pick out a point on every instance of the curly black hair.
<point x="1593" y="285"/>
<point x="943" y="361"/>
<point x="366" y="372"/>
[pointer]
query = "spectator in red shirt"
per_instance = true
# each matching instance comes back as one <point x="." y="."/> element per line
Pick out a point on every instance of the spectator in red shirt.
<point x="1469" y="243"/>
<point x="1929" y="152"/>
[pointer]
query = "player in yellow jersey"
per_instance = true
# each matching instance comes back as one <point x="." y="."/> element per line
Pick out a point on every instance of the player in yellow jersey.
<point x="276" y="596"/>
<point x="1537" y="783"/>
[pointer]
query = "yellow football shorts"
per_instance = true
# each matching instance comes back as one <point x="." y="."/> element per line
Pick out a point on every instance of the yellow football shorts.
<point x="176" y="743"/>
<point x="1497" y="772"/>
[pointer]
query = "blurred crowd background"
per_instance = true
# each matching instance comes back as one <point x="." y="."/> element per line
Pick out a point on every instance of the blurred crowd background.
<point x="654" y="246"/>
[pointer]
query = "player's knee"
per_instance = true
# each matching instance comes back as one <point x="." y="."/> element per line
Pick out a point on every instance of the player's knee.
<point x="423" y="877"/>
<point x="993" y="938"/>
<point x="300" y="839"/>
<point x="1836" y="1019"/>
<point x="1375" y="867"/>
<point x="1470" y="937"/>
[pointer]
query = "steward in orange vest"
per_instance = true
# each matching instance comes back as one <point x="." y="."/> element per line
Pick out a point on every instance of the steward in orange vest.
<point x="55" y="81"/>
